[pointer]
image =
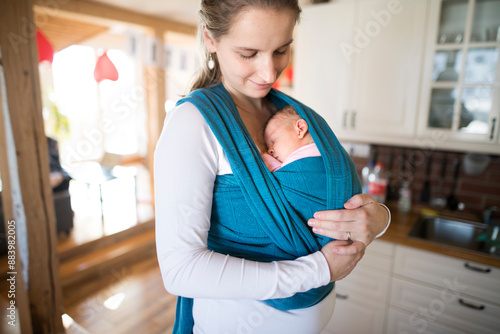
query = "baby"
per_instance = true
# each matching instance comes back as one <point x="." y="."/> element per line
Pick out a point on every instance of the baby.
<point x="287" y="139"/>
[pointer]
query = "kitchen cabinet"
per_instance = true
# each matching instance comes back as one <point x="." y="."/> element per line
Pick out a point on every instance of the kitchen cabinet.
<point x="356" y="314"/>
<point x="400" y="289"/>
<point x="428" y="304"/>
<point x="461" y="80"/>
<point x="403" y="322"/>
<point x="429" y="288"/>
<point x="358" y="64"/>
<point x="445" y="272"/>
<point x="362" y="297"/>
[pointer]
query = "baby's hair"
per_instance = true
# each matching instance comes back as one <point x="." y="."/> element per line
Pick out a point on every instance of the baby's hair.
<point x="285" y="112"/>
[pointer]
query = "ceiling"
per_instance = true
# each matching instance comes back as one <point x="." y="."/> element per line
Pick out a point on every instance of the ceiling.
<point x="178" y="10"/>
<point x="63" y="32"/>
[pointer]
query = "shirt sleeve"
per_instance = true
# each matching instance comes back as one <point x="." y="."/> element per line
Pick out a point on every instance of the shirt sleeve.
<point x="186" y="162"/>
<point x="388" y="221"/>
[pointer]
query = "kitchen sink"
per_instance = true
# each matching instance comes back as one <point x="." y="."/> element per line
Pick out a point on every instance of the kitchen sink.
<point x="452" y="232"/>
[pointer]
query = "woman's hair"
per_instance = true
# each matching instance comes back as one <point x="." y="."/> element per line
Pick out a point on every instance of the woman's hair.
<point x="217" y="16"/>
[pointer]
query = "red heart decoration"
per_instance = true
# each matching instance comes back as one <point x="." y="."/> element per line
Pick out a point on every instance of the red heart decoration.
<point x="105" y="69"/>
<point x="45" y="49"/>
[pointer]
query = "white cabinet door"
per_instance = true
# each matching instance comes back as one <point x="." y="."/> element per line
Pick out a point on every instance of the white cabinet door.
<point x="388" y="69"/>
<point x="381" y="247"/>
<point x="402" y="322"/>
<point x="362" y="297"/>
<point x="428" y="304"/>
<point x="367" y="282"/>
<point x="449" y="273"/>
<point x="322" y="79"/>
<point x="358" y="64"/>
<point x="356" y="315"/>
<point x="379" y="256"/>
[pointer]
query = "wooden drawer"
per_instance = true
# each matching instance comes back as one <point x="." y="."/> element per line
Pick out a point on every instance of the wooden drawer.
<point x="403" y="322"/>
<point x="465" y="277"/>
<point x="366" y="282"/>
<point x="428" y="304"/>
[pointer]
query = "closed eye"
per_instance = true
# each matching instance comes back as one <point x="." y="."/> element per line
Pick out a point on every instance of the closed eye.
<point x="248" y="56"/>
<point x="281" y="52"/>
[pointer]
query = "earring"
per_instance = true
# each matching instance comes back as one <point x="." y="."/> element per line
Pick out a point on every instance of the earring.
<point x="211" y="63"/>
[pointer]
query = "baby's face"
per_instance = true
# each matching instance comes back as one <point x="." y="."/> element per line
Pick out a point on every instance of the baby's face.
<point x="281" y="138"/>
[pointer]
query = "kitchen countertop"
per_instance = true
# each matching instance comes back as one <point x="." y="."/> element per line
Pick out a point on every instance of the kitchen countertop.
<point x="401" y="224"/>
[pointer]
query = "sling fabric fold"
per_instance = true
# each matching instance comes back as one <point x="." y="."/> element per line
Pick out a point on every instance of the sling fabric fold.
<point x="280" y="203"/>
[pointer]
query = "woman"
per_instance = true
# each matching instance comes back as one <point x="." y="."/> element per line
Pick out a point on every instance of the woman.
<point x="247" y="46"/>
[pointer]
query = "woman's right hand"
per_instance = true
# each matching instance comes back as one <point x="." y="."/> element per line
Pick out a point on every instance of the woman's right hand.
<point x="341" y="265"/>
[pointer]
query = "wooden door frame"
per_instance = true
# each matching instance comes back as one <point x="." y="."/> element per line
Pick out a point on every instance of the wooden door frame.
<point x="28" y="192"/>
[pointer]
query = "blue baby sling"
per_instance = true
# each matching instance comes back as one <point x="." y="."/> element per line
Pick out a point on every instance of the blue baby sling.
<point x="262" y="216"/>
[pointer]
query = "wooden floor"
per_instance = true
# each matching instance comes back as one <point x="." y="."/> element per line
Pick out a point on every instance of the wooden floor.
<point x="131" y="300"/>
<point x="109" y="273"/>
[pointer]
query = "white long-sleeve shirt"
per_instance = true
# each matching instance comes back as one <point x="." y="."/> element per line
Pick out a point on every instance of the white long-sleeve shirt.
<point x="226" y="289"/>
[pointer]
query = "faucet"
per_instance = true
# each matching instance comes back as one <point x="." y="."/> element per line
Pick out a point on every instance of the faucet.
<point x="493" y="238"/>
<point x="488" y="214"/>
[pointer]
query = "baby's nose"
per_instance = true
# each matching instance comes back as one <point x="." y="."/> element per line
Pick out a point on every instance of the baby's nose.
<point x="270" y="151"/>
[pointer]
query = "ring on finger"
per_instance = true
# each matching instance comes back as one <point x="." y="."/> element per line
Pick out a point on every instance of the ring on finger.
<point x="348" y="235"/>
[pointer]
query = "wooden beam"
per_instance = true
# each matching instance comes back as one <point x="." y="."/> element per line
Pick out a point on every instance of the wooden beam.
<point x="155" y="102"/>
<point x="102" y="14"/>
<point x="20" y="316"/>
<point x="22" y="85"/>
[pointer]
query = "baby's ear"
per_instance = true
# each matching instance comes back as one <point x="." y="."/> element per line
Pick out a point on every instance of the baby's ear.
<point x="301" y="127"/>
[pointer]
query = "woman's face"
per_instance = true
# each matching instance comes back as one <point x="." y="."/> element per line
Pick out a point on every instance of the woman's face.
<point x="255" y="51"/>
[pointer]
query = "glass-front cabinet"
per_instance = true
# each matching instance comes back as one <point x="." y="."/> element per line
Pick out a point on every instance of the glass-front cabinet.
<point x="461" y="82"/>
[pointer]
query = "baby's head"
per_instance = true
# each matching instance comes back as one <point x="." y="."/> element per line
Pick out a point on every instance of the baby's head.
<point x="286" y="132"/>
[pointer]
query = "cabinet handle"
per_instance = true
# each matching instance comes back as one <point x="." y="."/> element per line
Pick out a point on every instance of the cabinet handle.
<point x="477" y="269"/>
<point x="470" y="305"/>
<point x="343" y="297"/>
<point x="493" y="123"/>
<point x="353" y="120"/>
<point x="344" y="119"/>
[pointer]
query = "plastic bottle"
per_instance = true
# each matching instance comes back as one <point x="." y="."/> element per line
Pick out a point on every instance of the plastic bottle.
<point x="404" y="202"/>
<point x="377" y="183"/>
<point x="365" y="173"/>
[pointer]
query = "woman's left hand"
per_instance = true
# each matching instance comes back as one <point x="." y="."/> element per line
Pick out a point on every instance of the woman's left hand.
<point x="361" y="220"/>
